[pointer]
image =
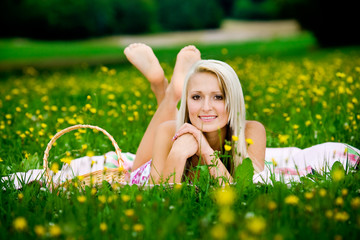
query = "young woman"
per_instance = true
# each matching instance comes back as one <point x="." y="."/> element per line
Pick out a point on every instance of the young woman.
<point x="212" y="110"/>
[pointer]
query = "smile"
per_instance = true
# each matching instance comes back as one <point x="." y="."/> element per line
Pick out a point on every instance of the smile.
<point x="207" y="118"/>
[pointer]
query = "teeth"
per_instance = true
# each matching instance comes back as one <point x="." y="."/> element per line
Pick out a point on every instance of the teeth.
<point x="207" y="118"/>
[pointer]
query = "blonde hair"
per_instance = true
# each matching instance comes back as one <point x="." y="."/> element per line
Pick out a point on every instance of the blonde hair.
<point x="234" y="102"/>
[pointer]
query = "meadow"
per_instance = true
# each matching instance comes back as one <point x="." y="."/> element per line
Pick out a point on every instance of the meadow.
<point x="303" y="95"/>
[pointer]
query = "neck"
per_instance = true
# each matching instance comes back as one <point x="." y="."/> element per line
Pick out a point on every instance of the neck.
<point x="216" y="139"/>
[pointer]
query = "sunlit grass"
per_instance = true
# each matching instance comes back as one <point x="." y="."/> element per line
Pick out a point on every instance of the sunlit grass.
<point x="302" y="101"/>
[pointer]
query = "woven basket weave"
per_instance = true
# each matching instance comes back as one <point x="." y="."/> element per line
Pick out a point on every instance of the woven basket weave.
<point x="110" y="175"/>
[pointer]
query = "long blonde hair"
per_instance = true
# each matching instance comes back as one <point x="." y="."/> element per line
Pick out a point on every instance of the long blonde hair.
<point x="234" y="102"/>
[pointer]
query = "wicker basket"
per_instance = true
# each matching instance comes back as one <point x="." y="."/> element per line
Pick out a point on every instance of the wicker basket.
<point x="111" y="175"/>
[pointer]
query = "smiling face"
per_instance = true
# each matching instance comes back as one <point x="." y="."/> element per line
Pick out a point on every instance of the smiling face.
<point x="206" y="102"/>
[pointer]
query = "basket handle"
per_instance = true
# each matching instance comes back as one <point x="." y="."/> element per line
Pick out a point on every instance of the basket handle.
<point x="66" y="130"/>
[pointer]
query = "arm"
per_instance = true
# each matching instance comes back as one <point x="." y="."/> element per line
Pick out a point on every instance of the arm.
<point x="256" y="151"/>
<point x="169" y="157"/>
<point x="205" y="152"/>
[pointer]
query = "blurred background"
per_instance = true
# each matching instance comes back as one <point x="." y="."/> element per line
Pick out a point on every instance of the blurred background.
<point x="333" y="23"/>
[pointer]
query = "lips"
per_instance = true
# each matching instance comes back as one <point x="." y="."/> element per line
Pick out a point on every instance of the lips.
<point x="207" y="118"/>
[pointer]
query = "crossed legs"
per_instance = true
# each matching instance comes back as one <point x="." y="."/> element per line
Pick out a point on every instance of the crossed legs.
<point x="167" y="95"/>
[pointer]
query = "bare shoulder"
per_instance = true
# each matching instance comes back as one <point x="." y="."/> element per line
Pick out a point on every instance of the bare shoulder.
<point x="254" y="126"/>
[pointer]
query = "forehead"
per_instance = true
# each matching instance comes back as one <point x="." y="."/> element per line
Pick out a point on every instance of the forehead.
<point x="202" y="81"/>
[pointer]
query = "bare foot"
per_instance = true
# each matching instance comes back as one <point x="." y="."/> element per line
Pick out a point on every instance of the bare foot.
<point x="184" y="61"/>
<point x="144" y="59"/>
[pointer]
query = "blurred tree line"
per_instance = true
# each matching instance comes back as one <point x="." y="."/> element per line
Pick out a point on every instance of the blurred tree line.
<point x="332" y="22"/>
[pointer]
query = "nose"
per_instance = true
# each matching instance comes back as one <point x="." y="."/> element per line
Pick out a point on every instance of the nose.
<point x="207" y="104"/>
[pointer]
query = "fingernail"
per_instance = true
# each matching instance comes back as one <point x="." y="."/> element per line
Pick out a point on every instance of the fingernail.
<point x="174" y="137"/>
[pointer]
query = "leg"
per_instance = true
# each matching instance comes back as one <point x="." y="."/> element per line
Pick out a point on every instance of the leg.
<point x="167" y="109"/>
<point x="144" y="59"/>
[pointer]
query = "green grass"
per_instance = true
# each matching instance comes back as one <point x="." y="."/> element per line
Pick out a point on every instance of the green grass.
<point x="292" y="87"/>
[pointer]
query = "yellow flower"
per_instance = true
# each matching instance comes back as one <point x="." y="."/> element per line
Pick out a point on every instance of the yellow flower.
<point x="338" y="175"/>
<point x="90" y="153"/>
<point x="125" y="198"/>
<point x="20" y="224"/>
<point x="103" y="227"/>
<point x="139" y="198"/>
<point x="227" y="147"/>
<point x="20" y="196"/>
<point x="129" y="212"/>
<point x="318" y="116"/>
<point x="355" y="202"/>
<point x="225" y="196"/>
<point x="138" y="227"/>
<point x="344" y="192"/>
<point x="249" y="141"/>
<point x="341" y="216"/>
<point x="272" y="205"/>
<point x="308" y="123"/>
<point x="309" y="195"/>
<point x="339" y="201"/>
<point x="66" y="160"/>
<point x="55" y="167"/>
<point x="283" y="138"/>
<point x="39" y="230"/>
<point x="93" y="191"/>
<point x="218" y="232"/>
<point x="55" y="230"/>
<point x="81" y="199"/>
<point x="274" y="162"/>
<point x="235" y="138"/>
<point x="256" y="225"/>
<point x="292" y="200"/>
<point x="102" y="199"/>
<point x="322" y="192"/>
<point x="84" y="147"/>
<point x="226" y="215"/>
<point x="1" y="160"/>
<point x="88" y="97"/>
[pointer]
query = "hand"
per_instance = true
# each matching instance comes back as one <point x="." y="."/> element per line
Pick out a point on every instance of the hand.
<point x="185" y="145"/>
<point x="204" y="148"/>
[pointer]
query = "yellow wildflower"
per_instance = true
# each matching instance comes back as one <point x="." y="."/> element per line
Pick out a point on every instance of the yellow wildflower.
<point x="55" y="167"/>
<point x="256" y="225"/>
<point x="66" y="160"/>
<point x="272" y="205"/>
<point x="227" y="147"/>
<point x="218" y="232"/>
<point x="338" y="175"/>
<point x="339" y="201"/>
<point x="341" y="216"/>
<point x="20" y="196"/>
<point x="308" y="123"/>
<point x="138" y="227"/>
<point x="322" y="192"/>
<point x="283" y="138"/>
<point x="309" y="195"/>
<point x="103" y="227"/>
<point x="102" y="199"/>
<point x="55" y="230"/>
<point x="355" y="202"/>
<point x="292" y="200"/>
<point x="235" y="138"/>
<point x="129" y="212"/>
<point x="20" y="224"/>
<point x="249" y="141"/>
<point x="39" y="230"/>
<point x="81" y="198"/>
<point x="226" y="215"/>
<point x="125" y="198"/>
<point x="225" y="196"/>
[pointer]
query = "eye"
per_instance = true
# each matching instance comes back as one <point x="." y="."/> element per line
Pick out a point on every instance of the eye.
<point x="195" y="97"/>
<point x="219" y="97"/>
